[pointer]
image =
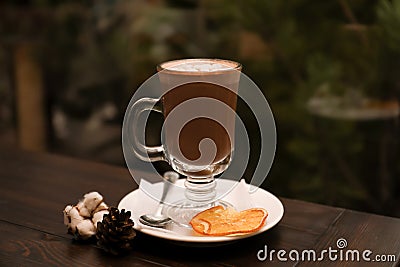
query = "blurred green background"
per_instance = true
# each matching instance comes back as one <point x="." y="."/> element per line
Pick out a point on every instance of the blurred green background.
<point x="329" y="69"/>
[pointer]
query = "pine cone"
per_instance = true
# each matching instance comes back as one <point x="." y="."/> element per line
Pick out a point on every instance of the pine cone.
<point x="115" y="233"/>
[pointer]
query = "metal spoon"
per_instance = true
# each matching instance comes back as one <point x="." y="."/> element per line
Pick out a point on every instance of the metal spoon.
<point x="158" y="219"/>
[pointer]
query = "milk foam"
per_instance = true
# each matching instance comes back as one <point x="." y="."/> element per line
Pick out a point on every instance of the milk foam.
<point x="200" y="66"/>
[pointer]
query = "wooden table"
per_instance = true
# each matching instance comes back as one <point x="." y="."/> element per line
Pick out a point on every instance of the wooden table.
<point x="36" y="187"/>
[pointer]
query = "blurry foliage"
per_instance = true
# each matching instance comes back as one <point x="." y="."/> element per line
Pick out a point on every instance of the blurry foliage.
<point x="100" y="51"/>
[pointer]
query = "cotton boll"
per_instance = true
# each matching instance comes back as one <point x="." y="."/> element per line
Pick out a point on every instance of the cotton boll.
<point x="85" y="229"/>
<point x="67" y="217"/>
<point x="83" y="210"/>
<point x="76" y="218"/>
<point x="82" y="218"/>
<point x="98" y="217"/>
<point x="92" y="200"/>
<point x="100" y="207"/>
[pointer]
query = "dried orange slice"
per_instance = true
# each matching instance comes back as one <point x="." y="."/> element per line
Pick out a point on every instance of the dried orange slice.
<point x="218" y="221"/>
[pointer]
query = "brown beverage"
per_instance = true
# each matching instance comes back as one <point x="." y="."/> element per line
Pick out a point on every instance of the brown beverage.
<point x="199" y="128"/>
<point x="185" y="84"/>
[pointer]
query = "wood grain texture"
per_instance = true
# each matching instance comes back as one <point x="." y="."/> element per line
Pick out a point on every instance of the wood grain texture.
<point x="36" y="187"/>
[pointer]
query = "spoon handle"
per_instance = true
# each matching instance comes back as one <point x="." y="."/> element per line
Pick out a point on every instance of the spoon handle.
<point x="170" y="177"/>
<point x="164" y="192"/>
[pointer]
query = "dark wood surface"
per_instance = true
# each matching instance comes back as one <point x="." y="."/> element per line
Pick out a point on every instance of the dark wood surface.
<point x="35" y="188"/>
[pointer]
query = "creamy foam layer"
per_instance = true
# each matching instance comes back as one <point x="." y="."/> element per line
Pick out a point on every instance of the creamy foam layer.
<point x="199" y="65"/>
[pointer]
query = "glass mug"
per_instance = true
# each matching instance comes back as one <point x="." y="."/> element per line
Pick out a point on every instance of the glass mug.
<point x="198" y="105"/>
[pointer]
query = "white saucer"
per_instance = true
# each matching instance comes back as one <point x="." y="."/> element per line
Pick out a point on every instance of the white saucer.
<point x="139" y="203"/>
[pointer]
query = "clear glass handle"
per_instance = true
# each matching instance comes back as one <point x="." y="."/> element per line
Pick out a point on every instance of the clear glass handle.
<point x="136" y="131"/>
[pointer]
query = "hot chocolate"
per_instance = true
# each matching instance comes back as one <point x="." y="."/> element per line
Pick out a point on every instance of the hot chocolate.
<point x="199" y="109"/>
<point x="193" y="132"/>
